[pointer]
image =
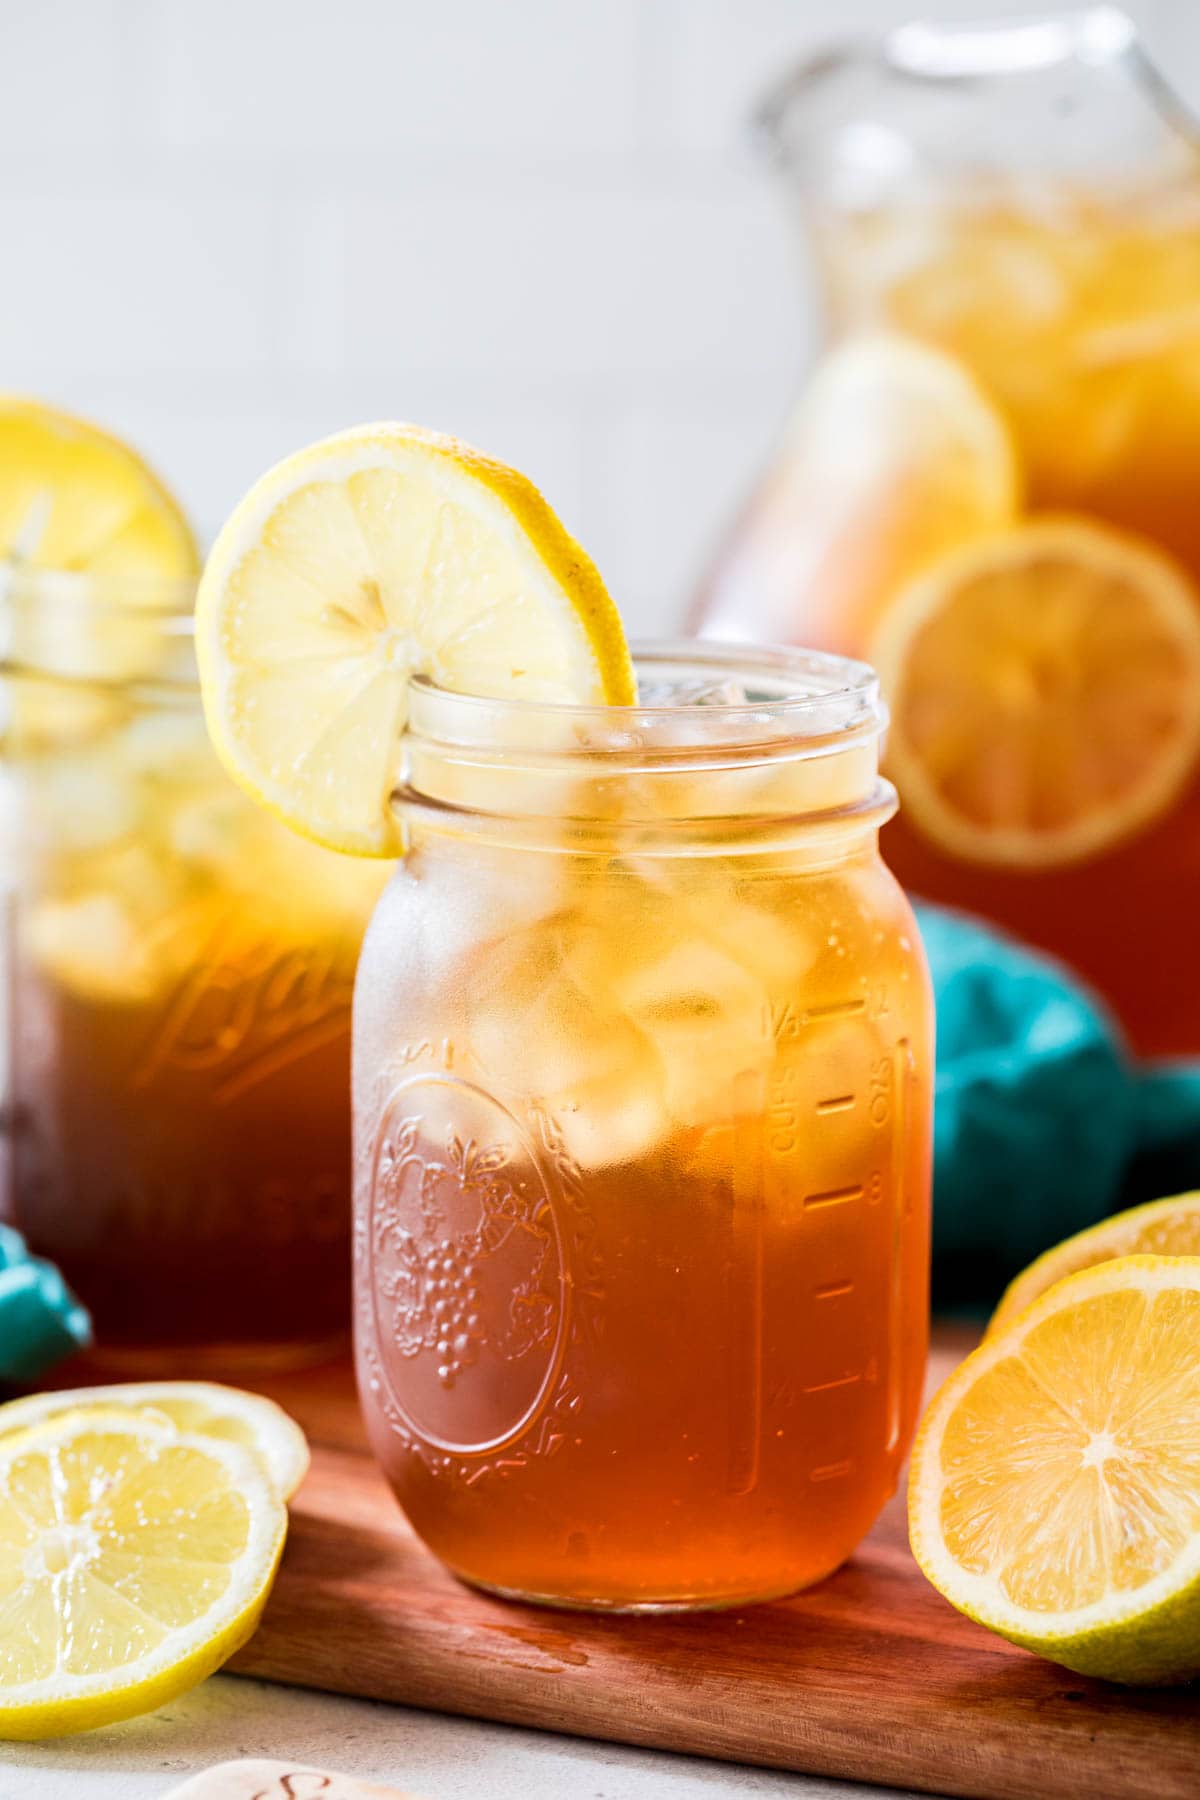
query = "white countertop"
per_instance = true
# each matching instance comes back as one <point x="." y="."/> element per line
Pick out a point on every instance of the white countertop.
<point x="434" y="1756"/>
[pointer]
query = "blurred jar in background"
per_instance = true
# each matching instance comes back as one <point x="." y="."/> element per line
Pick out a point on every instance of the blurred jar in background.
<point x="988" y="487"/>
<point x="179" y="973"/>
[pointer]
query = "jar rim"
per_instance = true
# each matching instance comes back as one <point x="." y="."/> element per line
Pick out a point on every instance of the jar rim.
<point x="789" y="696"/>
<point x="795" y="752"/>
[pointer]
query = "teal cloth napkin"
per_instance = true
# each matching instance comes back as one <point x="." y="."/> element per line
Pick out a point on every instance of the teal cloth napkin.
<point x="1043" y="1123"/>
<point x="41" y="1321"/>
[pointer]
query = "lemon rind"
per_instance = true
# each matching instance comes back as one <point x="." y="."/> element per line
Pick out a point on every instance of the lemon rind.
<point x="1038" y="1278"/>
<point x="1136" y="1638"/>
<point x="284" y="1447"/>
<point x="41" y="1709"/>
<point x="921" y="599"/>
<point x="157" y="493"/>
<point x="519" y="510"/>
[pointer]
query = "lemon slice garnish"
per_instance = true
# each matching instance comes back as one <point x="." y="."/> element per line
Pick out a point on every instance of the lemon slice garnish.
<point x="133" y="1561"/>
<point x="380" y="553"/>
<point x="81" y="505"/>
<point x="1044" y="686"/>
<point x="1159" y="1228"/>
<point x="203" y="1408"/>
<point x="73" y="497"/>
<point x="1054" y="1494"/>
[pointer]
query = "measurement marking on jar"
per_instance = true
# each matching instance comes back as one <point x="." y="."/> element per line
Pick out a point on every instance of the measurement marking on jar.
<point x="824" y="1387"/>
<point x="903" y="1071"/>
<point x="832" y="1471"/>
<point x="746" y="1266"/>
<point x="836" y="1009"/>
<point x="837" y="1103"/>
<point x="833" y="1290"/>
<point x="832" y="1197"/>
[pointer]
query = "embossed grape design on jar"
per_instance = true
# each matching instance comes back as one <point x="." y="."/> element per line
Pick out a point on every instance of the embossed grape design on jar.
<point x="642" y="1061"/>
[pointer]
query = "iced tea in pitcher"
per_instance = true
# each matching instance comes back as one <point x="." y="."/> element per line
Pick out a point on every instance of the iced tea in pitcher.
<point x="988" y="485"/>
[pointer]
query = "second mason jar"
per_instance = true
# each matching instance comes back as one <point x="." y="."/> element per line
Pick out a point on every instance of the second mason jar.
<point x="177" y="979"/>
<point x="642" y="1094"/>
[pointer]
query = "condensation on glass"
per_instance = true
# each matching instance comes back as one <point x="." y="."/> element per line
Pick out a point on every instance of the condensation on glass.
<point x="642" y="1072"/>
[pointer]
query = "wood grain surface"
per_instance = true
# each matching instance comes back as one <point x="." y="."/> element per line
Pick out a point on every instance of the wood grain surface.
<point x="870" y="1676"/>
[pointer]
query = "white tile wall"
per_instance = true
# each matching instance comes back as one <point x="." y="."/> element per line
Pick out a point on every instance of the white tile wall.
<point x="227" y="226"/>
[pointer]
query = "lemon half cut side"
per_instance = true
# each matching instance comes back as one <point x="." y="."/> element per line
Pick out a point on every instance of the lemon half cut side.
<point x="134" y="1560"/>
<point x="380" y="553"/>
<point x="1044" y="686"/>
<point x="1054" y="1494"/>
<point x="204" y="1408"/>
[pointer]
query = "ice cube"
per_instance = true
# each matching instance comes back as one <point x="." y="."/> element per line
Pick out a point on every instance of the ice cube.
<point x="81" y="803"/>
<point x="97" y="950"/>
<point x="536" y="1028"/>
<point x="700" y="692"/>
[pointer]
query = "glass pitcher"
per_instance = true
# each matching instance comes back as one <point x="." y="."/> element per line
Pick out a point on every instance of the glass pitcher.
<point x="990" y="485"/>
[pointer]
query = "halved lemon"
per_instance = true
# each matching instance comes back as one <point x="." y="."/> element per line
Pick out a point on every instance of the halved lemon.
<point x="1045" y="693"/>
<point x="202" y="1408"/>
<point x="133" y="1561"/>
<point x="380" y="553"/>
<point x="894" y="456"/>
<point x="1160" y="1228"/>
<point x="1054" y="1494"/>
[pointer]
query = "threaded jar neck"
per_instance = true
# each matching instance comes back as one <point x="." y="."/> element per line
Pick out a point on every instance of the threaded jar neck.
<point x="726" y="742"/>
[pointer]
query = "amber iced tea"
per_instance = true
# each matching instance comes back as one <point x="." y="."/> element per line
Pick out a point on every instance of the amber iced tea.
<point x="988" y="485"/>
<point x="642" y="1077"/>
<point x="180" y="973"/>
<point x="1085" y="331"/>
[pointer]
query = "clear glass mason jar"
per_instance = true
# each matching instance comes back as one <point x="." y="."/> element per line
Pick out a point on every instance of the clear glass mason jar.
<point x="178" y="972"/>
<point x="642" y="1068"/>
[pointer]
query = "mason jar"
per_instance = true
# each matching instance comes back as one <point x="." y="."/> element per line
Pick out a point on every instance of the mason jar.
<point x="642" y="1069"/>
<point x="178" y="972"/>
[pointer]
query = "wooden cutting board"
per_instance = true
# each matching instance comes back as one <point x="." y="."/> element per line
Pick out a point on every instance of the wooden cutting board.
<point x="871" y="1676"/>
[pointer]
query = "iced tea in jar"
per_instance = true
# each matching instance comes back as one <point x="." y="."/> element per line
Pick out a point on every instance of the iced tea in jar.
<point x="178" y="976"/>
<point x="987" y="486"/>
<point x="642" y="1070"/>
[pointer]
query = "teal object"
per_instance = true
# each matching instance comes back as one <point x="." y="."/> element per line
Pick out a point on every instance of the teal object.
<point x="41" y="1321"/>
<point x="1036" y="1113"/>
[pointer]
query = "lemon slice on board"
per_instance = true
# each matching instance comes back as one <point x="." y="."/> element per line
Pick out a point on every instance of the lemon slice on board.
<point x="1054" y="1494"/>
<point x="1044" y="686"/>
<point x="201" y="1408"/>
<point x="134" y="1561"/>
<point x="1159" y="1228"/>
<point x="379" y="553"/>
